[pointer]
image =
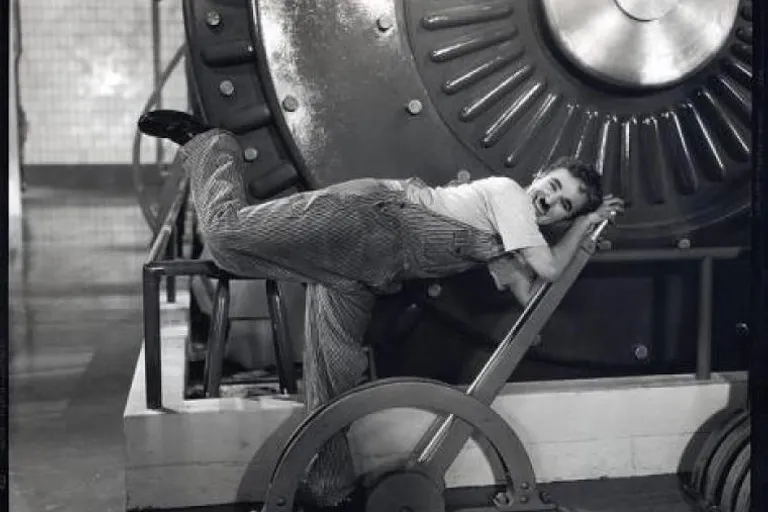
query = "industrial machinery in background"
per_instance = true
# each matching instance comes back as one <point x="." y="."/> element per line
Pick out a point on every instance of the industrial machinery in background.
<point x="320" y="93"/>
<point x="657" y="95"/>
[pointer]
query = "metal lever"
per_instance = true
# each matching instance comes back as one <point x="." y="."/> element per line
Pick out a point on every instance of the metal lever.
<point x="445" y="438"/>
<point x="601" y="227"/>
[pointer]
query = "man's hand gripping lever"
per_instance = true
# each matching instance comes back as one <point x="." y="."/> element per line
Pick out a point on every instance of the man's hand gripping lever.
<point x="600" y="218"/>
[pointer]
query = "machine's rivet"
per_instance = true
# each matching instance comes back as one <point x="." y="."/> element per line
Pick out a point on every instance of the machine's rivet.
<point x="280" y="502"/>
<point x="523" y="499"/>
<point x="434" y="290"/>
<point x="641" y="352"/>
<point x="290" y="103"/>
<point x="684" y="243"/>
<point x="227" y="88"/>
<point x="544" y="495"/>
<point x="526" y="485"/>
<point x="502" y="498"/>
<point x="604" y="245"/>
<point x="213" y="19"/>
<point x="463" y="176"/>
<point x="414" y="107"/>
<point x="250" y="154"/>
<point x="742" y="329"/>
<point x="384" y="23"/>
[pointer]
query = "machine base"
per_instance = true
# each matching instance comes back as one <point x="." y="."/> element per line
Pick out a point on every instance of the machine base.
<point x="222" y="451"/>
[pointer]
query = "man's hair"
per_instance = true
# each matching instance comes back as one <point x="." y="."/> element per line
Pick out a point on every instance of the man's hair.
<point x="587" y="174"/>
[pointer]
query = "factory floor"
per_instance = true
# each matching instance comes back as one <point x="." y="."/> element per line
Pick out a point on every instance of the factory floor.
<point x="75" y="311"/>
<point x="75" y="335"/>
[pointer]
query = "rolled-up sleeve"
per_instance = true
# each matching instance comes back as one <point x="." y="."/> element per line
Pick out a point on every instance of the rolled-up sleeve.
<point x="512" y="215"/>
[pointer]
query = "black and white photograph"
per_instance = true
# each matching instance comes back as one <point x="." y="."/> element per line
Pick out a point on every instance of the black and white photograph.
<point x="386" y="256"/>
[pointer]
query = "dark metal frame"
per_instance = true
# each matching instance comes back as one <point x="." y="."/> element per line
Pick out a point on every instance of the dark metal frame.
<point x="168" y="244"/>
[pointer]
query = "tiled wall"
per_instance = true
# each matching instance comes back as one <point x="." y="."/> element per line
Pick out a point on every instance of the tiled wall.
<point x="86" y="73"/>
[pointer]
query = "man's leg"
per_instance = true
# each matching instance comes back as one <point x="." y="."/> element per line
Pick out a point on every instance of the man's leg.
<point x="334" y="362"/>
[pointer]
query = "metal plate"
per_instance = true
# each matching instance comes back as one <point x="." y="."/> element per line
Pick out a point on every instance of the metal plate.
<point x="679" y="154"/>
<point x="227" y="89"/>
<point x="642" y="43"/>
<point x="435" y="87"/>
<point x="352" y="115"/>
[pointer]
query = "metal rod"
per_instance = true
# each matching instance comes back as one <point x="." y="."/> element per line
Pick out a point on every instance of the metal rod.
<point x="156" y="71"/>
<point x="152" y="359"/>
<point x="170" y="253"/>
<point x="445" y="439"/>
<point x="217" y="340"/>
<point x="642" y="255"/>
<point x="180" y="225"/>
<point x="281" y="340"/>
<point x="704" y="342"/>
<point x="160" y="244"/>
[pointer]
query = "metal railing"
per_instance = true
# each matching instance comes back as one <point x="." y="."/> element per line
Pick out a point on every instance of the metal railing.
<point x="155" y="269"/>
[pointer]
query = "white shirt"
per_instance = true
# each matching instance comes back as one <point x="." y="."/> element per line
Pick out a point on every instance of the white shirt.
<point x="496" y="204"/>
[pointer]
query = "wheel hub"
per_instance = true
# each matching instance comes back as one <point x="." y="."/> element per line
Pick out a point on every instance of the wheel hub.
<point x="640" y="43"/>
<point x="405" y="491"/>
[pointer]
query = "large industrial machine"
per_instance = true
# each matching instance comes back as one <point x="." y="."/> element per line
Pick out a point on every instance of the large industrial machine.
<point x="655" y="93"/>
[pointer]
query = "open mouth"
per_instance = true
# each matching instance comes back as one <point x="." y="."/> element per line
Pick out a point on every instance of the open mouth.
<point x="540" y="204"/>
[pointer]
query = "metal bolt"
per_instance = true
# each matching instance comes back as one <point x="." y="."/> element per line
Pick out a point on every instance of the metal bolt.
<point x="526" y="485"/>
<point x="384" y="23"/>
<point x="463" y="176"/>
<point x="641" y="352"/>
<point x="414" y="107"/>
<point x="544" y="495"/>
<point x="523" y="499"/>
<point x="227" y="88"/>
<point x="250" y="154"/>
<point x="280" y="502"/>
<point x="742" y="329"/>
<point x="213" y="18"/>
<point x="434" y="290"/>
<point x="684" y="243"/>
<point x="502" y="498"/>
<point x="604" y="245"/>
<point x="290" y="103"/>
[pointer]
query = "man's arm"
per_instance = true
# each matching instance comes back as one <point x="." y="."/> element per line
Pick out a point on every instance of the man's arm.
<point x="511" y="273"/>
<point x="549" y="263"/>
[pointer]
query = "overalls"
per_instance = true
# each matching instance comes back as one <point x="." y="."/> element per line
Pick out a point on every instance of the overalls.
<point x="349" y="243"/>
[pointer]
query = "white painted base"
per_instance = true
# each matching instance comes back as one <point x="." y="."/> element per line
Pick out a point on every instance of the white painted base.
<point x="217" y="451"/>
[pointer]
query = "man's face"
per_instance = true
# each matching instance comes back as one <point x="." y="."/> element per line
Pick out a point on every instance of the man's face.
<point x="556" y="196"/>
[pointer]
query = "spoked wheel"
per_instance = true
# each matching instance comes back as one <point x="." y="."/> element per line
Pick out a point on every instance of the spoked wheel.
<point x="410" y="487"/>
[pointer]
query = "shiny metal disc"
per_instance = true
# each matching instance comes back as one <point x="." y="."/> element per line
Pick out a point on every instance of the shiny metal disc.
<point x="640" y="43"/>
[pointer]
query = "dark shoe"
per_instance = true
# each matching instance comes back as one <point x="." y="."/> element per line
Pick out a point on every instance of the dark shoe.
<point x="179" y="127"/>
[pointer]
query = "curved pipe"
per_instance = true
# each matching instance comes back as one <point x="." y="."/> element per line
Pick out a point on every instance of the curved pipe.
<point x="136" y="161"/>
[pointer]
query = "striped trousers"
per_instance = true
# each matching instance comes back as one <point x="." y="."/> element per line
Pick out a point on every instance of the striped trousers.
<point x="349" y="243"/>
